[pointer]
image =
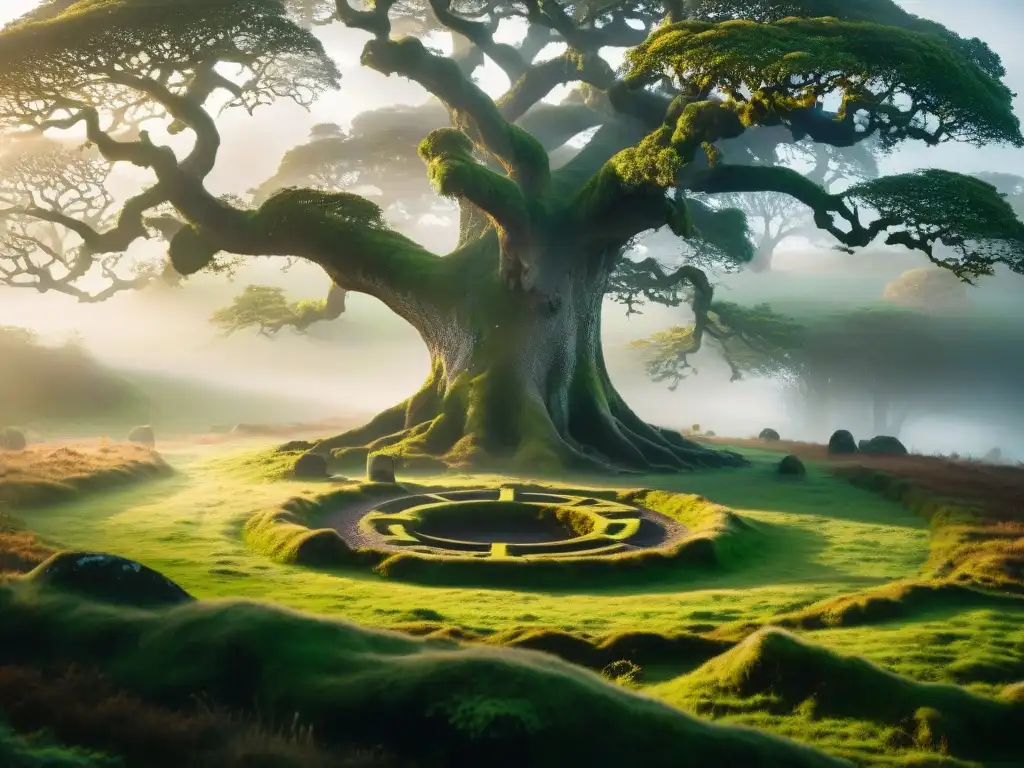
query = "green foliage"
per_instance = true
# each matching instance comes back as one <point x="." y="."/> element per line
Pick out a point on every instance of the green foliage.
<point x="342" y="209"/>
<point x="791" y="64"/>
<point x="722" y="234"/>
<point x="962" y="212"/>
<point x="885" y="12"/>
<point x="265" y="308"/>
<point x="753" y="340"/>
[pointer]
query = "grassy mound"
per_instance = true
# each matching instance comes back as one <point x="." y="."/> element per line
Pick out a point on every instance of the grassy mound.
<point x="891" y="601"/>
<point x="972" y="542"/>
<point x="775" y="671"/>
<point x="43" y="475"/>
<point x="290" y="533"/>
<point x="432" y="701"/>
<point x="294" y="534"/>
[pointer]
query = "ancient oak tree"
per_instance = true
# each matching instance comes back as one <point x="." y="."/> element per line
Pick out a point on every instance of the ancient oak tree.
<point x="512" y="316"/>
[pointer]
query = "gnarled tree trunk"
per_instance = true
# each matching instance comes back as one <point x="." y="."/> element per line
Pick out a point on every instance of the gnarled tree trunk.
<point x="519" y="376"/>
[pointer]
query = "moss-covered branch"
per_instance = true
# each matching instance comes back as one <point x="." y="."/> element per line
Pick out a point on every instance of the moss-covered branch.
<point x="454" y="172"/>
<point x="523" y="158"/>
<point x="918" y="210"/>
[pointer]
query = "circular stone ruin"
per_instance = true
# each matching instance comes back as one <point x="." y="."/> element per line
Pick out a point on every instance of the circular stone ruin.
<point x="509" y="523"/>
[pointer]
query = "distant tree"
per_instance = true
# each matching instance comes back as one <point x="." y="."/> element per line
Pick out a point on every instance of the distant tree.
<point x="265" y="308"/>
<point x="753" y="341"/>
<point x="512" y="316"/>
<point x="898" y="364"/>
<point x="929" y="289"/>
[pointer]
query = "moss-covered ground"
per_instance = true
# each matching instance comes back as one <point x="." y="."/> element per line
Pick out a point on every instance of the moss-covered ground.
<point x="847" y="570"/>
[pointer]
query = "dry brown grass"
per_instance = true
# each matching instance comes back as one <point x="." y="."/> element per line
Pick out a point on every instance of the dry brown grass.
<point x="976" y="509"/>
<point x="996" y="491"/>
<point x="81" y="708"/>
<point x="20" y="551"/>
<point x="46" y="474"/>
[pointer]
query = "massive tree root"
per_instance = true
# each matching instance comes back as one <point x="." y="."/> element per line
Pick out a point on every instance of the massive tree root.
<point x="483" y="421"/>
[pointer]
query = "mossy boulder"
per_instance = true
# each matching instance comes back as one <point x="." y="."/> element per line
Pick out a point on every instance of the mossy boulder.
<point x="312" y="466"/>
<point x="841" y="443"/>
<point x="883" y="445"/>
<point x="109" y="579"/>
<point x="143" y="436"/>
<point x="380" y="468"/>
<point x="792" y="466"/>
<point x="12" y="439"/>
<point x="769" y="435"/>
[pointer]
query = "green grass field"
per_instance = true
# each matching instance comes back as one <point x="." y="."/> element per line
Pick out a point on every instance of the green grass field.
<point x="816" y="539"/>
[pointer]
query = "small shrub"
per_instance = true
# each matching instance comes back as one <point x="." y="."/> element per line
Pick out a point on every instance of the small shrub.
<point x="842" y="442"/>
<point x="791" y="466"/>
<point x="624" y="672"/>
<point x="769" y="435"/>
<point x="883" y="445"/>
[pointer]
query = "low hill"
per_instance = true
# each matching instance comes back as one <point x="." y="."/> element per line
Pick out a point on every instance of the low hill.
<point x="61" y="383"/>
<point x="62" y="391"/>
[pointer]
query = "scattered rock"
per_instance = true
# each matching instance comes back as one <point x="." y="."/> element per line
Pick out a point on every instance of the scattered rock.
<point x="108" y="578"/>
<point x="769" y="435"/>
<point x="883" y="445"/>
<point x="143" y="436"/>
<point x="842" y="442"/>
<point x="380" y="468"/>
<point x="12" y="439"/>
<point x="311" y="466"/>
<point x="792" y="466"/>
<point x="995" y="456"/>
